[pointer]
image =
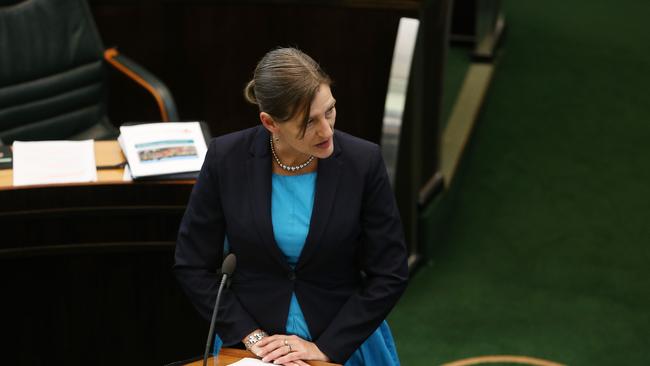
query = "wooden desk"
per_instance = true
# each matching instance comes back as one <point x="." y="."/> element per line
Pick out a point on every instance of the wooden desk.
<point x="85" y="270"/>
<point x="110" y="211"/>
<point x="106" y="153"/>
<point x="228" y="356"/>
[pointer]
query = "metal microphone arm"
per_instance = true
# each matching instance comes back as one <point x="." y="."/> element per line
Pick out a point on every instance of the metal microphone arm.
<point x="227" y="269"/>
<point x="208" y="342"/>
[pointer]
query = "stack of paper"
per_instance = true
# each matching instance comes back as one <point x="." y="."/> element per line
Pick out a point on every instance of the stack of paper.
<point x="44" y="162"/>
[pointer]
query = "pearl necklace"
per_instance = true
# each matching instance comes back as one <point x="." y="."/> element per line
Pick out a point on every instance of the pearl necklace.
<point x="288" y="167"/>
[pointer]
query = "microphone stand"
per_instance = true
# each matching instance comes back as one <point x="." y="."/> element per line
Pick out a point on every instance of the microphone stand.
<point x="208" y="342"/>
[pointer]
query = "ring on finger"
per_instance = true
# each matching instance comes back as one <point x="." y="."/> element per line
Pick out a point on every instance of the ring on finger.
<point x="290" y="350"/>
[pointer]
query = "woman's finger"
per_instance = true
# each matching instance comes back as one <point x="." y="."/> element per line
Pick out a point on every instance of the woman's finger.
<point x="296" y="363"/>
<point x="293" y="364"/>
<point x="294" y="355"/>
<point x="278" y="353"/>
<point x="266" y="340"/>
<point x="270" y="347"/>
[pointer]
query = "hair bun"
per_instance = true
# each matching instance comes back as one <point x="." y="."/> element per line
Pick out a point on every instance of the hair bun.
<point x="249" y="92"/>
<point x="284" y="84"/>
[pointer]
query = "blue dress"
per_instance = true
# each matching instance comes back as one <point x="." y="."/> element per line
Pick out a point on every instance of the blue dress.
<point x="292" y="201"/>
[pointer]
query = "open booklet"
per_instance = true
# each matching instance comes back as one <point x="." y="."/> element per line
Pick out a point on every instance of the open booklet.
<point x="163" y="149"/>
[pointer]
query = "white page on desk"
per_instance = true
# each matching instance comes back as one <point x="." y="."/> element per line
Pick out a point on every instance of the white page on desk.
<point x="126" y="176"/>
<point x="250" y="362"/>
<point x="45" y="162"/>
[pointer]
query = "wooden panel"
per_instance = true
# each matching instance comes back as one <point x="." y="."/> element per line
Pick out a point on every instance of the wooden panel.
<point x="99" y="308"/>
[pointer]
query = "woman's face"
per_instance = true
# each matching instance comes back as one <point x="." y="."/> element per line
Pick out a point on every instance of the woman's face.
<point x="318" y="139"/>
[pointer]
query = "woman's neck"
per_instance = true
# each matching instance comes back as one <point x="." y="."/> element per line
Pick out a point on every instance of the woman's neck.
<point x="288" y="161"/>
<point x="276" y="169"/>
<point x="289" y="155"/>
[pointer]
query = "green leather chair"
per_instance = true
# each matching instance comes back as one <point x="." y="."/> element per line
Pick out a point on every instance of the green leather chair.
<point x="53" y="81"/>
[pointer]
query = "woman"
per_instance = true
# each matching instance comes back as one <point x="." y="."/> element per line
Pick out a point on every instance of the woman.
<point x="311" y="217"/>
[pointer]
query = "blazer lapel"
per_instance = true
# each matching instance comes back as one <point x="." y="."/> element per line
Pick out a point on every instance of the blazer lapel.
<point x="327" y="183"/>
<point x="259" y="178"/>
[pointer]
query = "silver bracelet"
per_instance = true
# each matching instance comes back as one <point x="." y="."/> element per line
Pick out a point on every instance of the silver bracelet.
<point x="254" y="338"/>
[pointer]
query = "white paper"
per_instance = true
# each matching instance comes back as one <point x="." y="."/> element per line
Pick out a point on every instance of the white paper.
<point x="45" y="162"/>
<point x="126" y="176"/>
<point x="163" y="148"/>
<point x="250" y="362"/>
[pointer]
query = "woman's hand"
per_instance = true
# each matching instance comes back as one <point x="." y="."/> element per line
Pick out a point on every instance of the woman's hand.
<point x="288" y="350"/>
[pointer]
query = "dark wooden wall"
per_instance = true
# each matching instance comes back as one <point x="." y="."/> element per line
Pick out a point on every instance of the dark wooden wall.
<point x="85" y="273"/>
<point x="206" y="51"/>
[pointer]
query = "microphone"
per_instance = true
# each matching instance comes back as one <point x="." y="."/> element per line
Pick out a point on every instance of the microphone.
<point x="227" y="268"/>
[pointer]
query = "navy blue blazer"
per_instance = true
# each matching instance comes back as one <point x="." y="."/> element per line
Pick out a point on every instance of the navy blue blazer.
<point x="353" y="267"/>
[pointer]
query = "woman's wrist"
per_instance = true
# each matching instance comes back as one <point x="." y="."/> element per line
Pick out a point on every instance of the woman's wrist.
<point x="321" y="355"/>
<point x="254" y="337"/>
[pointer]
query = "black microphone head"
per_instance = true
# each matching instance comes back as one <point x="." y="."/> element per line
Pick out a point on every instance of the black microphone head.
<point x="229" y="265"/>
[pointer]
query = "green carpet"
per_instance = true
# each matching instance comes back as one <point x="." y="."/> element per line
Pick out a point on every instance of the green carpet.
<point x="545" y="250"/>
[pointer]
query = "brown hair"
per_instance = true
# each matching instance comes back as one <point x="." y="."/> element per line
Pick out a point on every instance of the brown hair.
<point x="285" y="83"/>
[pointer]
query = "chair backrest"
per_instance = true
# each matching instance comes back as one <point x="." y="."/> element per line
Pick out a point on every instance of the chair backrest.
<point x="52" y="76"/>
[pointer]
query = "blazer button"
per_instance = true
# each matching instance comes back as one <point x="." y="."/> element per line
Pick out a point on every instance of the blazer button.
<point x="292" y="276"/>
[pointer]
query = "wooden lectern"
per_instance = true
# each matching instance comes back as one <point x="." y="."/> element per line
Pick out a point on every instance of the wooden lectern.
<point x="228" y="356"/>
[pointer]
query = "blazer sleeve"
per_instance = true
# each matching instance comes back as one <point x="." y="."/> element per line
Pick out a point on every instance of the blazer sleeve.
<point x="199" y="254"/>
<point x="383" y="259"/>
